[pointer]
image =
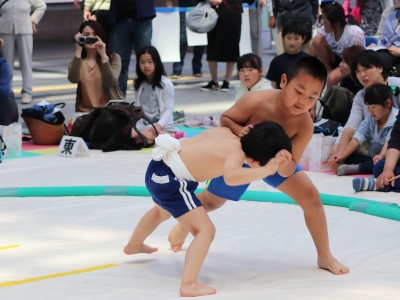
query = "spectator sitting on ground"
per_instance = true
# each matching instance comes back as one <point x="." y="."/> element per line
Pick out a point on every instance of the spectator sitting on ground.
<point x="293" y="36"/>
<point x="95" y="68"/>
<point x="369" y="142"/>
<point x="8" y="106"/>
<point x="369" y="69"/>
<point x="249" y="67"/>
<point x="332" y="38"/>
<point x="347" y="80"/>
<point x="384" y="170"/>
<point x="154" y="92"/>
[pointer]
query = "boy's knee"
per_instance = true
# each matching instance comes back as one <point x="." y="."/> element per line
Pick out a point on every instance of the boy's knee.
<point x="312" y="199"/>
<point x="210" y="201"/>
<point x="318" y="41"/>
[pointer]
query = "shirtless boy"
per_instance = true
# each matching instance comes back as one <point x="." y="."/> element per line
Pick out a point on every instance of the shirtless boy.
<point x="301" y="87"/>
<point x="176" y="169"/>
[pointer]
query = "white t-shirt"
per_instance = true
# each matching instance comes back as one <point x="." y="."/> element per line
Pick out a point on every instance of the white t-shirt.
<point x="352" y="35"/>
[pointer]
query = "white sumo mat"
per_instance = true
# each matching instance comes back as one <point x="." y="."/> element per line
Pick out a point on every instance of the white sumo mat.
<point x="71" y="247"/>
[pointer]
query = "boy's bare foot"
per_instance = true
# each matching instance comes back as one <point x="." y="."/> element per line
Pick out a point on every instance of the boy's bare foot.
<point x="195" y="289"/>
<point x="129" y="250"/>
<point x="177" y="237"/>
<point x="332" y="265"/>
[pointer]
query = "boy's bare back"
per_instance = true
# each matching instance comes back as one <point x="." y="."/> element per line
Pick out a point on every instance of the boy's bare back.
<point x="204" y="154"/>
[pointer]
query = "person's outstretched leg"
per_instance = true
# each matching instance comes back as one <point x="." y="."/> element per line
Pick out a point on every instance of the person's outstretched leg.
<point x="203" y="230"/>
<point x="147" y="224"/>
<point x="307" y="196"/>
<point x="178" y="233"/>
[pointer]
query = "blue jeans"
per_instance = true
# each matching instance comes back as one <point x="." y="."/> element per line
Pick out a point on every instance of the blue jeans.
<point x="378" y="169"/>
<point x="197" y="50"/>
<point x="129" y="33"/>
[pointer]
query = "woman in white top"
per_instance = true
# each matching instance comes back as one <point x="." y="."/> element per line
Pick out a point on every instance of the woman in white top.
<point x="333" y="38"/>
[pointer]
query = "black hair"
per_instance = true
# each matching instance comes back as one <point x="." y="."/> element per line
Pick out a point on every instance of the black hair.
<point x="249" y="60"/>
<point x="334" y="12"/>
<point x="264" y="140"/>
<point x="159" y="70"/>
<point x="309" y="64"/>
<point x="378" y="93"/>
<point x="369" y="59"/>
<point x="350" y="53"/>
<point x="295" y="27"/>
<point x="100" y="32"/>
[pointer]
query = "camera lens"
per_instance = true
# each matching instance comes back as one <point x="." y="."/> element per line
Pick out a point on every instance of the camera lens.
<point x="82" y="40"/>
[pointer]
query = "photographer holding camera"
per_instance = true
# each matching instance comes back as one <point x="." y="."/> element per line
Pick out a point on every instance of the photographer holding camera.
<point x="95" y="68"/>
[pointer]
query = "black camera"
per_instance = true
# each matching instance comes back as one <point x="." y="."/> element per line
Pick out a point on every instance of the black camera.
<point x="82" y="40"/>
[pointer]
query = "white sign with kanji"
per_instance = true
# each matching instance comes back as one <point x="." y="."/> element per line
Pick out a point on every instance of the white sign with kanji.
<point x="72" y="146"/>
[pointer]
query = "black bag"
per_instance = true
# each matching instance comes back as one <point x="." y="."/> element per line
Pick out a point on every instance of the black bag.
<point x="109" y="128"/>
<point x="327" y="127"/>
<point x="337" y="103"/>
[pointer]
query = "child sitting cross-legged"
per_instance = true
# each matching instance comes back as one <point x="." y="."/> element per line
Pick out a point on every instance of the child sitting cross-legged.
<point x="369" y="143"/>
<point x="386" y="172"/>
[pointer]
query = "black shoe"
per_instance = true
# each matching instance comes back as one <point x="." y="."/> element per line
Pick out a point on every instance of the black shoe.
<point x="210" y="86"/>
<point x="225" y="86"/>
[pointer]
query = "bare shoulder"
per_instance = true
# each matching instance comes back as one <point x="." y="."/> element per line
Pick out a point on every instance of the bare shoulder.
<point x="303" y="126"/>
<point x="261" y="95"/>
<point x="256" y="99"/>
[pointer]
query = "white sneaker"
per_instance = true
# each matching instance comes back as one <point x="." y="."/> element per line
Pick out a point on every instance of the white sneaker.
<point x="26" y="98"/>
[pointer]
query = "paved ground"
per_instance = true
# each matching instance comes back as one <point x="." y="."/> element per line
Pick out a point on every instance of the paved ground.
<point x="50" y="63"/>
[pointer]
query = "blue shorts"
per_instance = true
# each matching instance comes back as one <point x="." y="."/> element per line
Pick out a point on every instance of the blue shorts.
<point x="174" y="195"/>
<point x="218" y="187"/>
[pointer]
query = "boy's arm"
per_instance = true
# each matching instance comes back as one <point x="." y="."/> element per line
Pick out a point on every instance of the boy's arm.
<point x="236" y="117"/>
<point x="299" y="143"/>
<point x="235" y="174"/>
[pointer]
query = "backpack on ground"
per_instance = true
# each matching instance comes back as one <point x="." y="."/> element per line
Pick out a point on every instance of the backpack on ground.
<point x="109" y="128"/>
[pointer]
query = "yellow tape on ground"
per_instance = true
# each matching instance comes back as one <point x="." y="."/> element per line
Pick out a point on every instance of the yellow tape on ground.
<point x="9" y="246"/>
<point x="51" y="276"/>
